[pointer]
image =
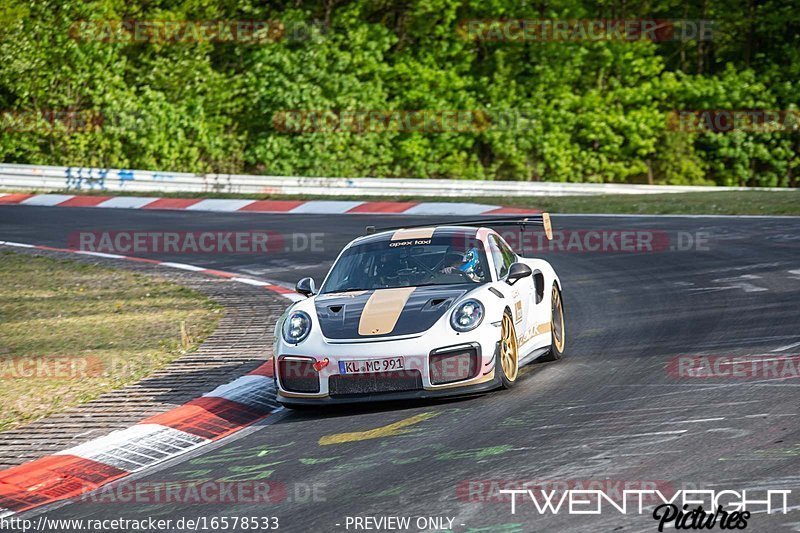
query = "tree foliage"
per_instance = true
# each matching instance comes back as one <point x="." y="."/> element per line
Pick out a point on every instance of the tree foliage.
<point x="581" y="111"/>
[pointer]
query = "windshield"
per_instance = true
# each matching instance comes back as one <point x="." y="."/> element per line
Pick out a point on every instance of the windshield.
<point x="408" y="263"/>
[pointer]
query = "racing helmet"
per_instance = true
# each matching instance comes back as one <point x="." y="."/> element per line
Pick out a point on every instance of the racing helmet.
<point x="470" y="263"/>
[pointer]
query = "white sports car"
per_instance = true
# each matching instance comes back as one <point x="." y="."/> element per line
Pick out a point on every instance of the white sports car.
<point x="419" y="313"/>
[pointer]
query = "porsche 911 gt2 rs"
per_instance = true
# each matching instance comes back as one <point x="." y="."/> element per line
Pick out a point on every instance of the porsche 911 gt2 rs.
<point x="417" y="313"/>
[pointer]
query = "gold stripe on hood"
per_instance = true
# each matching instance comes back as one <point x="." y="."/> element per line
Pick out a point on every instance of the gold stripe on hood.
<point x="382" y="310"/>
<point x="412" y="233"/>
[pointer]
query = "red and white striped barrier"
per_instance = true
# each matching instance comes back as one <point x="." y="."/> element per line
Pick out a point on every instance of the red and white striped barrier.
<point x="76" y="471"/>
<point x="289" y="207"/>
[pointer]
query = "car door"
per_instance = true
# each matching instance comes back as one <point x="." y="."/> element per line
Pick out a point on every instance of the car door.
<point x="503" y="257"/>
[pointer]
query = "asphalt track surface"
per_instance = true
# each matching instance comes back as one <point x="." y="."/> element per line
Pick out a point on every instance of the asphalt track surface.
<point x="611" y="410"/>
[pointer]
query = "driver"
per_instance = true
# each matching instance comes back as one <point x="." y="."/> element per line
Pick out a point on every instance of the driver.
<point x="452" y="262"/>
<point x="461" y="263"/>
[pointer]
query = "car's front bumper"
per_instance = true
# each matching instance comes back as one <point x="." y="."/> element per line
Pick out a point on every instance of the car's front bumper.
<point x="492" y="382"/>
<point x="418" y="378"/>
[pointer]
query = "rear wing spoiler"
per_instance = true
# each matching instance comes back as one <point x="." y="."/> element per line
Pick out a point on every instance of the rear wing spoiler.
<point x="542" y="220"/>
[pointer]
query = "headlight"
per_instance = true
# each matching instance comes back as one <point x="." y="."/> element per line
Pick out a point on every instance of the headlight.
<point x="467" y="316"/>
<point x="296" y="327"/>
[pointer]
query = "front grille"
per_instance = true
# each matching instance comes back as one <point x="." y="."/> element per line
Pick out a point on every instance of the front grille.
<point x="352" y="384"/>
<point x="457" y="365"/>
<point x="298" y="376"/>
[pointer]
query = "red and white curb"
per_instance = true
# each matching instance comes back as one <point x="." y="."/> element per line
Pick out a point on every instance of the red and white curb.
<point x="79" y="470"/>
<point x="76" y="471"/>
<point x="289" y="207"/>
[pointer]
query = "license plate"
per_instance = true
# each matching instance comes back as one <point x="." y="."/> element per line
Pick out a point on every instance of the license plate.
<point x="365" y="366"/>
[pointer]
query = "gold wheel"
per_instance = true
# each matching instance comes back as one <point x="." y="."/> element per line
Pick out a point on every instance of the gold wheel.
<point x="557" y="321"/>
<point x="508" y="349"/>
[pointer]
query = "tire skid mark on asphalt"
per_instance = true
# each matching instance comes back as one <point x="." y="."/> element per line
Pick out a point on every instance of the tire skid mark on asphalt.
<point x="784" y="348"/>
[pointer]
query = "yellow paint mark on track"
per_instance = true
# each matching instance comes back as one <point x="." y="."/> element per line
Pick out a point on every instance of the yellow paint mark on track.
<point x="386" y="431"/>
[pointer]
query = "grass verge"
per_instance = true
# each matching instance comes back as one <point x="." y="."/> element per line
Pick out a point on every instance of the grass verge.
<point x="71" y="331"/>
<point x="691" y="203"/>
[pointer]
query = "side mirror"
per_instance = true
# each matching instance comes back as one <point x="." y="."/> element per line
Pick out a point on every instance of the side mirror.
<point x="517" y="271"/>
<point x="306" y="287"/>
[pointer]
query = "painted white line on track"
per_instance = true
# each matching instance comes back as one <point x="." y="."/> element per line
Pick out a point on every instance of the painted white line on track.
<point x="699" y="420"/>
<point x="253" y="282"/>
<point x="100" y="254"/>
<point x="752" y="359"/>
<point x="294" y="297"/>
<point x="651" y="434"/>
<point x="183" y="266"/>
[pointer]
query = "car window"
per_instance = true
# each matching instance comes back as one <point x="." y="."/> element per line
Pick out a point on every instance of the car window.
<point x="502" y="256"/>
<point x="409" y="263"/>
<point x="509" y="257"/>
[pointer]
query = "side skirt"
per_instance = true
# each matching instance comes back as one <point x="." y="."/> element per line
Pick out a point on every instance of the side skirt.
<point x="533" y="355"/>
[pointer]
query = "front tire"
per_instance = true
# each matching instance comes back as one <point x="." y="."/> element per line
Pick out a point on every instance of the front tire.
<point x="507" y="364"/>
<point x="557" y="336"/>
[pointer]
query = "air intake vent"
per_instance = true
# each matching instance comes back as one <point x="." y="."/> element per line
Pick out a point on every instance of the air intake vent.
<point x="356" y="384"/>
<point x="298" y="375"/>
<point x="452" y="366"/>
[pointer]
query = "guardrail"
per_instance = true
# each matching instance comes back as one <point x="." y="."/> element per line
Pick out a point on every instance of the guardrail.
<point x="76" y="179"/>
